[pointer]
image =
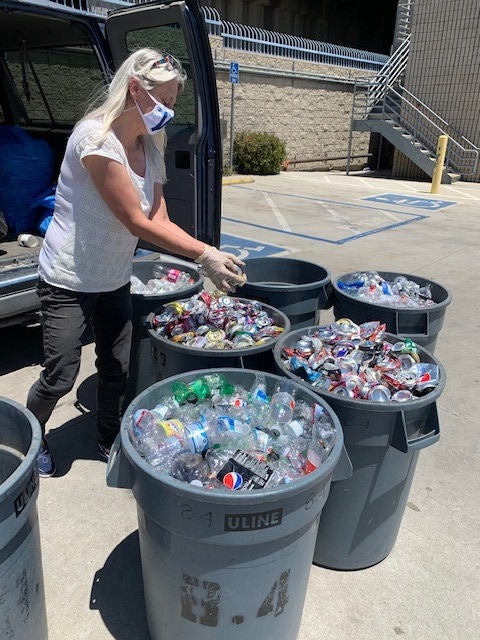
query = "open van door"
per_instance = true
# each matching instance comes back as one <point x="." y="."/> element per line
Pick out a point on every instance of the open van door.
<point x="194" y="158"/>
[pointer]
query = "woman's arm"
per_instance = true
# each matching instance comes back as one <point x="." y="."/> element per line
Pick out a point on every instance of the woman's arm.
<point x="159" y="214"/>
<point x="114" y="185"/>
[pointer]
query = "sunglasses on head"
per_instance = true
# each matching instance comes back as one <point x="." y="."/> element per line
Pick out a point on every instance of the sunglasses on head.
<point x="169" y="61"/>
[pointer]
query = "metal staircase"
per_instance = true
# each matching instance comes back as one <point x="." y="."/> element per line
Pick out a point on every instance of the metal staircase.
<point x="382" y="105"/>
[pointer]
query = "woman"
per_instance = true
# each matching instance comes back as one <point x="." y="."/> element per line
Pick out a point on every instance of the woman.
<point x="109" y="195"/>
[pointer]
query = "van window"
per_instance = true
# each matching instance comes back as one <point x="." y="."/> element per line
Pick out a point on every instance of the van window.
<point x="55" y="84"/>
<point x="170" y="38"/>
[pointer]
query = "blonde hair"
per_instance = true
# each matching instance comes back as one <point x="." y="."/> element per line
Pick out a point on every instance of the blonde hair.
<point x="147" y="66"/>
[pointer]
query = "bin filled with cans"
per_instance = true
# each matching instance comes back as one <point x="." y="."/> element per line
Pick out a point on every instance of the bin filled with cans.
<point x="360" y="361"/>
<point x="212" y="329"/>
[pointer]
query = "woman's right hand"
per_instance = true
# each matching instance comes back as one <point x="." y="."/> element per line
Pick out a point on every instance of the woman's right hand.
<point x="219" y="266"/>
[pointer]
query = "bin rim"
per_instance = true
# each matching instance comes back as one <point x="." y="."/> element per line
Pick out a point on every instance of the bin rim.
<point x="290" y="286"/>
<point x="217" y="496"/>
<point x="366" y="303"/>
<point x="17" y="478"/>
<point x="219" y="353"/>
<point x="360" y="404"/>
<point x="182" y="292"/>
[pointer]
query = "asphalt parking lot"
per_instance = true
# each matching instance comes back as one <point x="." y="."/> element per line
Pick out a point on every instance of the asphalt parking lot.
<point x="428" y="587"/>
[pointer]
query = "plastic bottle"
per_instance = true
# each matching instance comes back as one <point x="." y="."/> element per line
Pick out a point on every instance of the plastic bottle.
<point x="294" y="428"/>
<point x="198" y="436"/>
<point x="236" y="400"/>
<point x="258" y="392"/>
<point x="160" y="453"/>
<point x="320" y="445"/>
<point x="193" y="392"/>
<point x="190" y="467"/>
<point x="166" y="408"/>
<point x="218" y="384"/>
<point x="282" y="404"/>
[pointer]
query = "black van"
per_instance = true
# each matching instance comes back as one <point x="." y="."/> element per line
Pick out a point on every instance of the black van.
<point x="55" y="58"/>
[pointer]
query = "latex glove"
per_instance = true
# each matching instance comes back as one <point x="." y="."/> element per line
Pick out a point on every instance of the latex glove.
<point x="219" y="266"/>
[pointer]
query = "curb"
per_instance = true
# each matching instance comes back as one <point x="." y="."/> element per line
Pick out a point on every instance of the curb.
<point x="236" y="180"/>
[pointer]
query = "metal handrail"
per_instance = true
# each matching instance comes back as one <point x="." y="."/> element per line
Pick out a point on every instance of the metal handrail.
<point x="462" y="155"/>
<point x="403" y="22"/>
<point x="389" y="74"/>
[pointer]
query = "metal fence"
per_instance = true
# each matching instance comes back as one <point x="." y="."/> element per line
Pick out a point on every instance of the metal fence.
<point x="260" y="41"/>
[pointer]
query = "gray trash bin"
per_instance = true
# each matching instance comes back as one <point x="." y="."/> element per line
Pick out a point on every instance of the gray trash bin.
<point x="421" y="325"/>
<point x="298" y="288"/>
<point x="362" y="517"/>
<point x="170" y="358"/>
<point x="219" y="565"/>
<point x="141" y="372"/>
<point x="22" y="596"/>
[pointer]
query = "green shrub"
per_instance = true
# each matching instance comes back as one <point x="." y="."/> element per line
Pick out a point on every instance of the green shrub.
<point x="259" y="154"/>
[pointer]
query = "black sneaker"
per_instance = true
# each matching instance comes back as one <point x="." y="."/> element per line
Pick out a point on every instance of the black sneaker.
<point x="46" y="465"/>
<point x="103" y="452"/>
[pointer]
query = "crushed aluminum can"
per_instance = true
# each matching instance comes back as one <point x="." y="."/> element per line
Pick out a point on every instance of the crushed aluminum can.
<point x="215" y="335"/>
<point x="225" y="301"/>
<point x="175" y="306"/>
<point x="183" y="337"/>
<point x="345" y="327"/>
<point x="404" y="395"/>
<point x="348" y="365"/>
<point x="243" y="340"/>
<point x="305" y="346"/>
<point x="199" y="342"/>
<point x="406" y="361"/>
<point x="379" y="393"/>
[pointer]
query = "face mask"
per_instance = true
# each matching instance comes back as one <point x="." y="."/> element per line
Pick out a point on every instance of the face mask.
<point x="157" y="118"/>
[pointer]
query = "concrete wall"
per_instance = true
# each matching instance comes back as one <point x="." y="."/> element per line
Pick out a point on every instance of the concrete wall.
<point x="444" y="67"/>
<point x="311" y="115"/>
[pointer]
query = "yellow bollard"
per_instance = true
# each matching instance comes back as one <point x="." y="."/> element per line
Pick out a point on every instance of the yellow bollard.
<point x="439" y="162"/>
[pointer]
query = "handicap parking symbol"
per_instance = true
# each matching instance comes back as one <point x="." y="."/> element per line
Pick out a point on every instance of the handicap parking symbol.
<point x="244" y="248"/>
<point x="428" y="204"/>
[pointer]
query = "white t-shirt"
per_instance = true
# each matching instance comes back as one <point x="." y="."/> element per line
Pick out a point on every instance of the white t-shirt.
<point x="86" y="248"/>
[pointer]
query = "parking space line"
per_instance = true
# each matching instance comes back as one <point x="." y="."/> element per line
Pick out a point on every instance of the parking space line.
<point x="276" y="212"/>
<point x="462" y="193"/>
<point x="367" y="183"/>
<point x="324" y="202"/>
<point x="294" y="234"/>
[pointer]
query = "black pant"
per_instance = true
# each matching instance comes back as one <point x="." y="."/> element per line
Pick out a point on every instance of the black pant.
<point x="65" y="317"/>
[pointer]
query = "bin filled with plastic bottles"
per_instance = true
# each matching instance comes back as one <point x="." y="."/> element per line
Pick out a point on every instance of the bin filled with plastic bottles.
<point x="230" y="469"/>
<point x="220" y="435"/>
<point x="410" y="306"/>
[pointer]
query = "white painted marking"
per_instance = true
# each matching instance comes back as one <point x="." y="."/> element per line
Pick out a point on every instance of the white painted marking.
<point x="367" y="183"/>
<point x="283" y="223"/>
<point x="462" y="193"/>
<point x="391" y="216"/>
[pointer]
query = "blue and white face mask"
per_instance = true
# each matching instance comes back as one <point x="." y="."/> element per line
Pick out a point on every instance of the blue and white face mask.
<point x="157" y="118"/>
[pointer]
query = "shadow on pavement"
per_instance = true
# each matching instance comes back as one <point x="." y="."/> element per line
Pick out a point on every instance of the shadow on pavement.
<point x="87" y="394"/>
<point x="73" y="440"/>
<point x="21" y="347"/>
<point x="117" y="592"/>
